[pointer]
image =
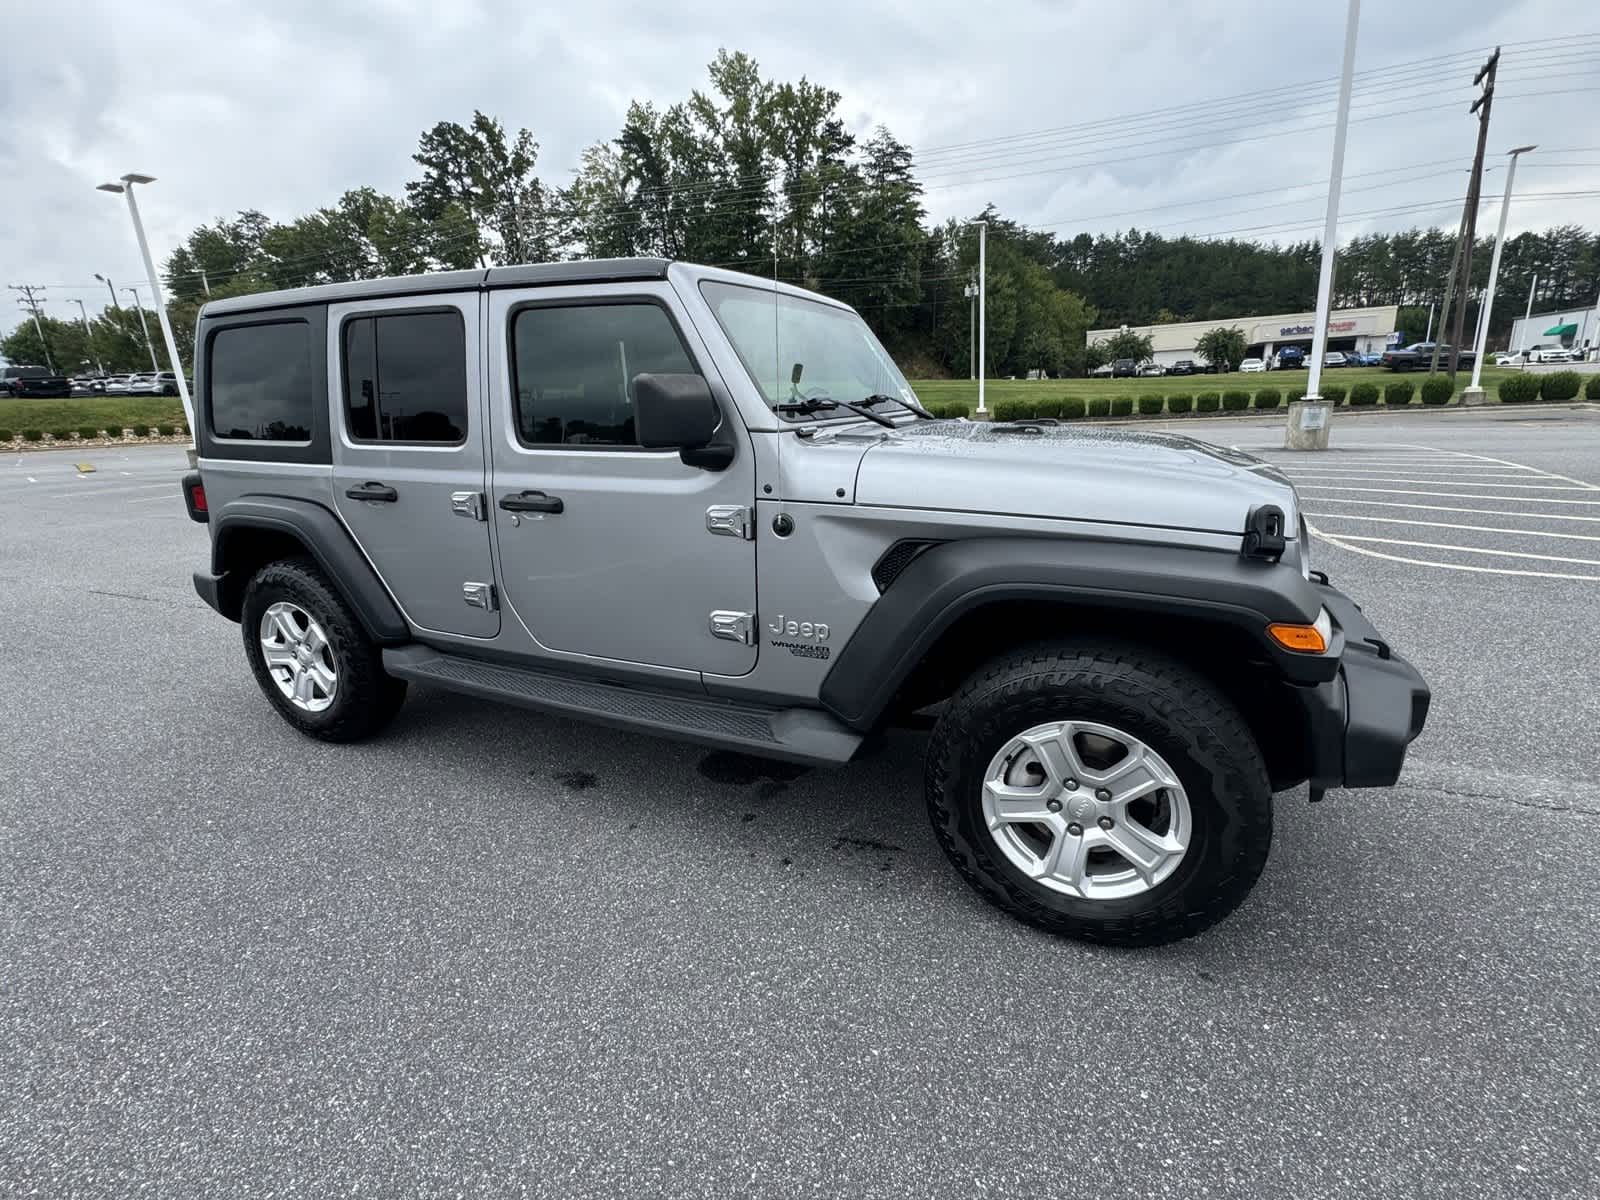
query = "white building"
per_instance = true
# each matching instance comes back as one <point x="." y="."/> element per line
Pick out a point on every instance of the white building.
<point x="1368" y="330"/>
<point x="1569" y="327"/>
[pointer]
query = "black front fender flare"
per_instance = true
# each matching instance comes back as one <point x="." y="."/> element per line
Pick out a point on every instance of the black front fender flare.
<point x="950" y="580"/>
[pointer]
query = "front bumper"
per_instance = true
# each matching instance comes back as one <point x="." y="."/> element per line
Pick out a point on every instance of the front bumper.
<point x="1361" y="722"/>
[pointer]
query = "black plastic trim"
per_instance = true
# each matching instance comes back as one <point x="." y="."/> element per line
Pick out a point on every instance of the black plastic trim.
<point x="319" y="531"/>
<point x="950" y="580"/>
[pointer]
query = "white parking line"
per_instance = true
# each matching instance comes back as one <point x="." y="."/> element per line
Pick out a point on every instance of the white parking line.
<point x="1447" y="482"/>
<point x="1451" y="508"/>
<point x="1329" y="487"/>
<point x="1581" y="537"/>
<point x="1343" y="544"/>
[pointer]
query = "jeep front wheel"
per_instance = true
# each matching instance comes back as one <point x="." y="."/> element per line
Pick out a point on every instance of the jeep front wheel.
<point x="1100" y="791"/>
<point x="311" y="657"/>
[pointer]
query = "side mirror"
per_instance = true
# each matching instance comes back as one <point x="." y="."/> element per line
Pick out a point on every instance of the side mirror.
<point x="674" y="412"/>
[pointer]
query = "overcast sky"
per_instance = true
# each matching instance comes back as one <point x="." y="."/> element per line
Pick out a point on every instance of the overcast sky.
<point x="282" y="106"/>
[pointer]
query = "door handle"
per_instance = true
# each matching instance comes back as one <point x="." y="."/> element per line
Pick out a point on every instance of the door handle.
<point x="531" y="501"/>
<point x="373" y="491"/>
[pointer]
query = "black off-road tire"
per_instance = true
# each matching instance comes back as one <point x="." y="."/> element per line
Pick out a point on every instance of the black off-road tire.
<point x="1174" y="711"/>
<point x="366" y="698"/>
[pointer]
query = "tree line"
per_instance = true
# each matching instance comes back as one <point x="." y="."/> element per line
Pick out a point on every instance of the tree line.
<point x="763" y="176"/>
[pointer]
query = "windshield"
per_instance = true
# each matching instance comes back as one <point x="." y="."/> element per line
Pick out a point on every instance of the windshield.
<point x="779" y="336"/>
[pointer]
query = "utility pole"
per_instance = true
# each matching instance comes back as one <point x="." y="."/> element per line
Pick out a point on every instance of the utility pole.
<point x="1481" y="106"/>
<point x="29" y="299"/>
<point x="205" y="283"/>
<point x="1449" y="286"/>
<point x="983" y="285"/>
<point x="1427" y="336"/>
<point x="148" y="344"/>
<point x="83" y="314"/>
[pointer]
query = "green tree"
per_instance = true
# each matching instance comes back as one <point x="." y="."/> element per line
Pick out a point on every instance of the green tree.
<point x="1129" y="343"/>
<point x="1223" y="347"/>
<point x="478" y="170"/>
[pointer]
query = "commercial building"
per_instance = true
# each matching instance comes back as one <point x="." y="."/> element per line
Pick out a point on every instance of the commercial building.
<point x="1369" y="330"/>
<point x="1569" y="327"/>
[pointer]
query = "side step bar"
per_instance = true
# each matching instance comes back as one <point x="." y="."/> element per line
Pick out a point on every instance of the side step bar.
<point x="806" y="735"/>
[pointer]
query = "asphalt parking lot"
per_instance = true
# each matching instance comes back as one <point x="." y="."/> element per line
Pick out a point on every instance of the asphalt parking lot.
<point x="492" y="953"/>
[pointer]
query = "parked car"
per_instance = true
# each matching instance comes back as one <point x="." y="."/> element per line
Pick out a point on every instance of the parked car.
<point x="1291" y="358"/>
<point x="1552" y="354"/>
<point x="1101" y="771"/>
<point x="119" y="385"/>
<point x="33" y="381"/>
<point x="1124" y="368"/>
<point x="1152" y="370"/>
<point x="1184" y="366"/>
<point x="166" y="384"/>
<point x="144" y="384"/>
<point x="1418" y="355"/>
<point x="1252" y="366"/>
<point x="1103" y="371"/>
<point x="1508" y="358"/>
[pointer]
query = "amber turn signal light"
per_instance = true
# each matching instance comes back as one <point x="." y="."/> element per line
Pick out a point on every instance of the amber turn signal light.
<point x="1308" y="639"/>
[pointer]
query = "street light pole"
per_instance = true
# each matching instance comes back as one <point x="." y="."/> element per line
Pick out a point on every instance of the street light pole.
<point x="126" y="188"/>
<point x="1527" y="313"/>
<point x="983" y="287"/>
<point x="110" y="289"/>
<point x="148" y="344"/>
<point x="1474" y="393"/>
<point x="88" y="333"/>
<point x="1330" y="235"/>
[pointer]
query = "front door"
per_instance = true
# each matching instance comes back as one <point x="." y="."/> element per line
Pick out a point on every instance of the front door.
<point x="608" y="550"/>
<point x="408" y="458"/>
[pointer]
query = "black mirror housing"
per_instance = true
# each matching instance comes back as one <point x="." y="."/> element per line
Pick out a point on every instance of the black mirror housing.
<point x="674" y="412"/>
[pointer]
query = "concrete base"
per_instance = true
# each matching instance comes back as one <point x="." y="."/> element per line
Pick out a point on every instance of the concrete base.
<point x="1307" y="428"/>
<point x="1473" y="395"/>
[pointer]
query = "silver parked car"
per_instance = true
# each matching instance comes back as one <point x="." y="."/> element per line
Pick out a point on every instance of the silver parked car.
<point x="685" y="502"/>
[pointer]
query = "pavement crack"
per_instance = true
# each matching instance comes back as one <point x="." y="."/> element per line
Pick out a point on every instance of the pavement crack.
<point x="126" y="596"/>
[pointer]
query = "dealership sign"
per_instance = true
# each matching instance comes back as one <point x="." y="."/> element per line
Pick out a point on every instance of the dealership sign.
<point x="1345" y="326"/>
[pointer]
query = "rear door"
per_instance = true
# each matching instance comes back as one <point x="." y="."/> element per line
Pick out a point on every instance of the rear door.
<point x="405" y="385"/>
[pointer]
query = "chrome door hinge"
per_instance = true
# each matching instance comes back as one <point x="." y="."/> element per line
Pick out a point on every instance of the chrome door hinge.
<point x="730" y="520"/>
<point x="469" y="504"/>
<point x="480" y="595"/>
<point x="734" y="627"/>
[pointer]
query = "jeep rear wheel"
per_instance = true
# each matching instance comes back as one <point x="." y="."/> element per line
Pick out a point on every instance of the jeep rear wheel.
<point x="1100" y="791"/>
<point x="311" y="657"/>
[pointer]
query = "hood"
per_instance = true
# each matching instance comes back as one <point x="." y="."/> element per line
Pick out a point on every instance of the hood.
<point x="1087" y="473"/>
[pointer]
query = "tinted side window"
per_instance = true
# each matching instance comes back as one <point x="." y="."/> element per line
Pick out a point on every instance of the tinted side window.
<point x="405" y="377"/>
<point x="260" y="382"/>
<point x="573" y="369"/>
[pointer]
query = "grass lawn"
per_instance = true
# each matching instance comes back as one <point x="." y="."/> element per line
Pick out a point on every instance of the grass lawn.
<point x="98" y="412"/>
<point x="940" y="391"/>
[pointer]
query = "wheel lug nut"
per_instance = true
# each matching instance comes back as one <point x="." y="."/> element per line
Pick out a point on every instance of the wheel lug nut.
<point x="1106" y="822"/>
<point x="1072" y="785"/>
<point x="1103" y="795"/>
<point x="1075" y="829"/>
<point x="1053" y="805"/>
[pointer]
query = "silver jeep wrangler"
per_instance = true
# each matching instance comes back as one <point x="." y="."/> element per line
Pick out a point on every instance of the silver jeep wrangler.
<point x="694" y="503"/>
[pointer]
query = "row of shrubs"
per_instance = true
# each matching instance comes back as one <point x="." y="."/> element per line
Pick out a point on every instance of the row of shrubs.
<point x="1436" y="389"/>
<point x="1558" y="385"/>
<point x="88" y="433"/>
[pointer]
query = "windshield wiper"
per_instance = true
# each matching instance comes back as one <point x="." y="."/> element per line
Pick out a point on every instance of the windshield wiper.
<point x="822" y="404"/>
<point x="880" y="397"/>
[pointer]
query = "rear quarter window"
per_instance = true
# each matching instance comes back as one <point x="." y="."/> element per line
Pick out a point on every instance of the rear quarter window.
<point x="260" y="382"/>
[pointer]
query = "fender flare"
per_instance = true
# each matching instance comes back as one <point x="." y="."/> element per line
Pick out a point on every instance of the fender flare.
<point x="950" y="580"/>
<point x="325" y="539"/>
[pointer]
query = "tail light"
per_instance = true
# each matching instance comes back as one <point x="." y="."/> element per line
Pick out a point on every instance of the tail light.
<point x="194" y="497"/>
